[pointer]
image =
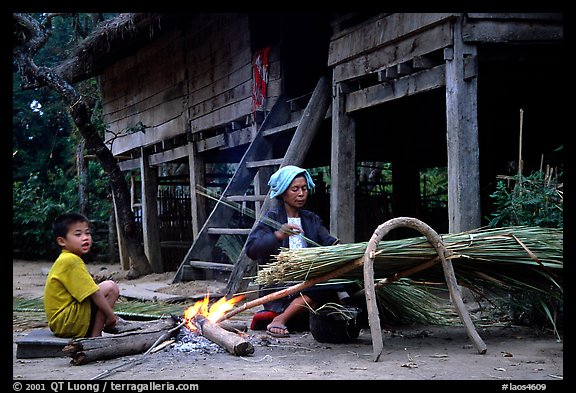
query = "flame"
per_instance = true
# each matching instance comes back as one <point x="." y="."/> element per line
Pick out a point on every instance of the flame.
<point x="213" y="312"/>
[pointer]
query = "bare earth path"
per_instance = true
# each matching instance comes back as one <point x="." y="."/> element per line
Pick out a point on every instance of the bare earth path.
<point x="517" y="355"/>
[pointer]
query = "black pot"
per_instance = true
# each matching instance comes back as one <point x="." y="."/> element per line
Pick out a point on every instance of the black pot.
<point x="335" y="324"/>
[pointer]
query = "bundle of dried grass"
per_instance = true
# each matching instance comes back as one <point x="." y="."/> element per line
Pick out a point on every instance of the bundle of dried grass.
<point x="518" y="260"/>
<point x="487" y="254"/>
<point x="408" y="302"/>
<point x="527" y="259"/>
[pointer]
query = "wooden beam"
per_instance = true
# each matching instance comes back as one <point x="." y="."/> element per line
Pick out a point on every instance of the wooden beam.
<point x="264" y="163"/>
<point x="381" y="32"/>
<point x="516" y="15"/>
<point x="222" y="116"/>
<point x="150" y="232"/>
<point x="394" y="89"/>
<point x="342" y="170"/>
<point x="462" y="139"/>
<point x="122" y="250"/>
<point x="129" y="165"/>
<point x="228" y="139"/>
<point x="197" y="176"/>
<point x="283" y="128"/>
<point x="312" y="118"/>
<point x="153" y="134"/>
<point x="168" y="155"/>
<point x="486" y="31"/>
<point x="398" y="51"/>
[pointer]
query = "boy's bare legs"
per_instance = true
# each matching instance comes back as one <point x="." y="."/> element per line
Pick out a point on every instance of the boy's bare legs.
<point x="301" y="304"/>
<point x="111" y="292"/>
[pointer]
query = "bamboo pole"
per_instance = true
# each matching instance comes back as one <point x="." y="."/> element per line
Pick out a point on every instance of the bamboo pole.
<point x="520" y="165"/>
<point x="295" y="288"/>
<point x="405" y="273"/>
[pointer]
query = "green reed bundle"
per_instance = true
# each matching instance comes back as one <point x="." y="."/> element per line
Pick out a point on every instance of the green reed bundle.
<point x="404" y="302"/>
<point x="125" y="308"/>
<point x="513" y="258"/>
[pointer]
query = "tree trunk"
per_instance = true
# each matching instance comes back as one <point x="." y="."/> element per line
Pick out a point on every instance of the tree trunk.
<point x="112" y="236"/>
<point x="82" y="170"/>
<point x="29" y="37"/>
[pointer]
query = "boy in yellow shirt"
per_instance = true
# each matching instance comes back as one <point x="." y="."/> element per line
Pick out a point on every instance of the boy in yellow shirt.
<point x="75" y="305"/>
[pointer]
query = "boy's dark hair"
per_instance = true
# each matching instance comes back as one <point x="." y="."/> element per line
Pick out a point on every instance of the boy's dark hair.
<point x="62" y="222"/>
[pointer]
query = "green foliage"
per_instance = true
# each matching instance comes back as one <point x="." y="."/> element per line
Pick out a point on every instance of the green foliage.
<point x="40" y="138"/>
<point x="44" y="150"/>
<point x="536" y="200"/>
<point x="434" y="186"/>
<point x="34" y="208"/>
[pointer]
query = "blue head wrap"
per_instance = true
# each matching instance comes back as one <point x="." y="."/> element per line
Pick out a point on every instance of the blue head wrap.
<point x="282" y="178"/>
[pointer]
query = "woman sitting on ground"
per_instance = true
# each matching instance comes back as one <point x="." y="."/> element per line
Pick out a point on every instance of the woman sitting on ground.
<point x="291" y="185"/>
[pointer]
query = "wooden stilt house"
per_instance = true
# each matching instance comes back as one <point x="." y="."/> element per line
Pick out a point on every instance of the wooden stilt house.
<point x="222" y="100"/>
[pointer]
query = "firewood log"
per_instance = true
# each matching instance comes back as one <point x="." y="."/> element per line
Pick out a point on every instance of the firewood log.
<point x="231" y="342"/>
<point x="90" y="349"/>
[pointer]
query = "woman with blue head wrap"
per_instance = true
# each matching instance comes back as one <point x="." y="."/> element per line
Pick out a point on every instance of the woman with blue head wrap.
<point x="283" y="177"/>
<point x="300" y="228"/>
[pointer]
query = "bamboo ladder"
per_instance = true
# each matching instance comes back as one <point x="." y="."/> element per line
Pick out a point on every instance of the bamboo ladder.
<point x="257" y="156"/>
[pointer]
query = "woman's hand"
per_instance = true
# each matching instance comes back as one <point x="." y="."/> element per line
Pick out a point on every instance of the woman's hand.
<point x="287" y="230"/>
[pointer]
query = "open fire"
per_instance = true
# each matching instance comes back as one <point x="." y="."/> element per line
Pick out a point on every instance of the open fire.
<point x="211" y="312"/>
<point x="201" y="320"/>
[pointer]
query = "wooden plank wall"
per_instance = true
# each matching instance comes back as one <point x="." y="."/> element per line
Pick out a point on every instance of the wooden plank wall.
<point x="198" y="77"/>
<point x="148" y="87"/>
<point x="219" y="60"/>
<point x="385" y="41"/>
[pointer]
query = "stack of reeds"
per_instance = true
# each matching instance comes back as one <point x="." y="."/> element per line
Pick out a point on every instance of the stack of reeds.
<point x="524" y="259"/>
<point x="515" y="260"/>
<point x="501" y="256"/>
<point x="128" y="309"/>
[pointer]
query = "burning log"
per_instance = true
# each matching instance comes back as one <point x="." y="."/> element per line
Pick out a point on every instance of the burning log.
<point x="231" y="342"/>
<point x="234" y="326"/>
<point x="86" y="350"/>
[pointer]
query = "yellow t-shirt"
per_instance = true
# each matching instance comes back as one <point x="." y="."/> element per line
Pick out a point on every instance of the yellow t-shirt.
<point x="67" y="296"/>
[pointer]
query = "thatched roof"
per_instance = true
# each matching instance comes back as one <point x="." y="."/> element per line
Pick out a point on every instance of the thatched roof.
<point x="112" y="40"/>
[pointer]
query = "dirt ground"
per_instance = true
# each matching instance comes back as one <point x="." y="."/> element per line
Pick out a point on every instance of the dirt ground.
<point x="428" y="353"/>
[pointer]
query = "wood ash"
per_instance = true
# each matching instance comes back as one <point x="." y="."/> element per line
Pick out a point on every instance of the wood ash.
<point x="192" y="341"/>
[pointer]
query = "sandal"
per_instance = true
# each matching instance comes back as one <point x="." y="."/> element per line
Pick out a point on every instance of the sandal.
<point x="278" y="335"/>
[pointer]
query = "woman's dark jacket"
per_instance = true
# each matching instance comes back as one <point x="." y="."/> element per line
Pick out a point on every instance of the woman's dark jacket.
<point x="262" y="243"/>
